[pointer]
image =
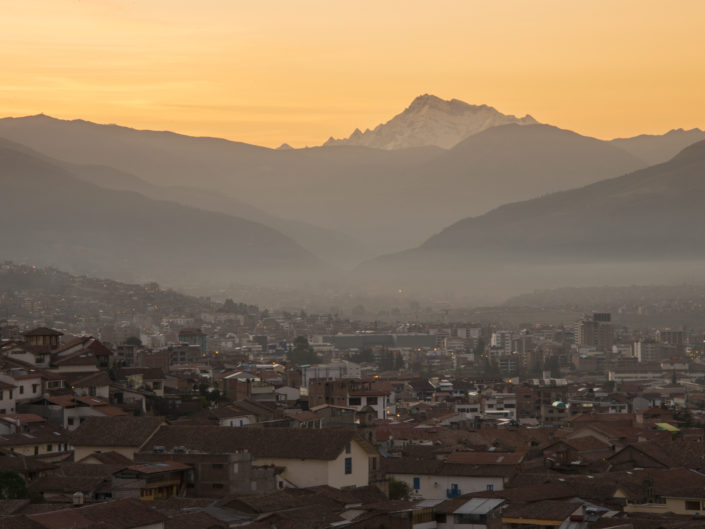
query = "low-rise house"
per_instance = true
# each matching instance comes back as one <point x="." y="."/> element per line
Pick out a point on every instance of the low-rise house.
<point x="472" y="513"/>
<point x="123" y="514"/>
<point x="150" y="481"/>
<point x="147" y="378"/>
<point x="542" y="515"/>
<point x="434" y="479"/>
<point x="69" y="411"/>
<point x="217" y="473"/>
<point x="337" y="457"/>
<point x="125" y="435"/>
<point x="41" y="440"/>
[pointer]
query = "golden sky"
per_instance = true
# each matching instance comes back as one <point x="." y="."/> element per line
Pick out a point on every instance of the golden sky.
<point x="299" y="71"/>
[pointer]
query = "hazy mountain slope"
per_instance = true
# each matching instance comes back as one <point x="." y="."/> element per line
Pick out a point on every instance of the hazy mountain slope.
<point x="510" y="163"/>
<point x="645" y="226"/>
<point x="430" y="120"/>
<point x="338" y="248"/>
<point x="656" y="149"/>
<point x="322" y="186"/>
<point x="50" y="217"/>
<point x="389" y="199"/>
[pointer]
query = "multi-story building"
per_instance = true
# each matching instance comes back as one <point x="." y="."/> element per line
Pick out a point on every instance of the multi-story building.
<point x="596" y="332"/>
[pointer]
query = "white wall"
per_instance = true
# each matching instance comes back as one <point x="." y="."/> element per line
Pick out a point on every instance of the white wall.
<point x="435" y="487"/>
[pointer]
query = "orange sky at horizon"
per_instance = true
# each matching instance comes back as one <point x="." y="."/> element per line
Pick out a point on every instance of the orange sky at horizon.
<point x="298" y="72"/>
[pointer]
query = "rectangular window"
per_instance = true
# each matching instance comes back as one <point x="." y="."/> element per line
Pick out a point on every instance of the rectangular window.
<point x="70" y="421"/>
<point x="354" y="401"/>
<point x="691" y="505"/>
<point x="21" y="390"/>
<point x="490" y="487"/>
<point x="34" y="388"/>
<point x="347" y="448"/>
<point x="372" y="401"/>
<point x="49" y="448"/>
<point x="348" y="465"/>
<point x="417" y="483"/>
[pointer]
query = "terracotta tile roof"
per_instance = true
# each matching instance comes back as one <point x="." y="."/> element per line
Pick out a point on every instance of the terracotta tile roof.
<point x="156" y="468"/>
<point x="277" y="443"/>
<point x="19" y="522"/>
<point x="541" y="510"/>
<point x="115" y="431"/>
<point x="486" y="458"/>
<point x="434" y="467"/>
<point x="148" y="373"/>
<point x="121" y="514"/>
<point x="43" y="434"/>
<point x="109" y="458"/>
<point x="42" y="331"/>
<point x="193" y="520"/>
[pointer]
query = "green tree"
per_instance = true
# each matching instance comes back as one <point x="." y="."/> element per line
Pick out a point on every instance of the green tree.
<point x="398" y="490"/>
<point x="302" y="352"/>
<point x="12" y="486"/>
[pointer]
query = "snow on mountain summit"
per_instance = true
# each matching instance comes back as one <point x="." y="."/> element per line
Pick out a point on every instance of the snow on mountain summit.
<point x="430" y="120"/>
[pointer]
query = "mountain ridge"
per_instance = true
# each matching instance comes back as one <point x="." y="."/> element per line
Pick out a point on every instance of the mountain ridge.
<point x="430" y="120"/>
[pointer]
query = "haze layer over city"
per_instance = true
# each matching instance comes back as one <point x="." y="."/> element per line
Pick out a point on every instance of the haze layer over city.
<point x="362" y="265"/>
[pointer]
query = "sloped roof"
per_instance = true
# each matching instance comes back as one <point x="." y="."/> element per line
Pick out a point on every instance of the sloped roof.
<point x="115" y="431"/>
<point x="486" y="458"/>
<point x="42" y="331"/>
<point x="275" y="443"/>
<point x="541" y="510"/>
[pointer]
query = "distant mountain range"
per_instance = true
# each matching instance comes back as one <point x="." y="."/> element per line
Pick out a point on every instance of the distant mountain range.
<point x="646" y="224"/>
<point x="430" y="120"/>
<point x="417" y="175"/>
<point x="345" y="203"/>
<point x="51" y="217"/>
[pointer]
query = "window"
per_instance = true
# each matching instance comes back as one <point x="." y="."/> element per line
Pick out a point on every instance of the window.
<point x="490" y="487"/>
<point x="372" y="401"/>
<point x="354" y="401"/>
<point x="348" y="465"/>
<point x="691" y="505"/>
<point x="2" y="395"/>
<point x="49" y="448"/>
<point x="374" y="463"/>
<point x="34" y="388"/>
<point x="21" y="390"/>
<point x="70" y="421"/>
<point x="347" y="448"/>
<point x="417" y="483"/>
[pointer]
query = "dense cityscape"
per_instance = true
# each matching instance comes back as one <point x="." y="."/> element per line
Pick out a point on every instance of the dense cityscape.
<point x="205" y="414"/>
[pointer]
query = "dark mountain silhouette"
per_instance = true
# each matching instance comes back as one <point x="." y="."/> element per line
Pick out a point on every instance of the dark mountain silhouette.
<point x="51" y="217"/>
<point x="646" y="224"/>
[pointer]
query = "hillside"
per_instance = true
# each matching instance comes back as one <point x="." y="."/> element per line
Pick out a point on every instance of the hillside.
<point x="644" y="226"/>
<point x="659" y="148"/>
<point x="52" y="218"/>
<point x="387" y="199"/>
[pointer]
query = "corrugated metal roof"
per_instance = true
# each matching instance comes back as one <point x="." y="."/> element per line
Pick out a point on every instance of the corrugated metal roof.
<point x="479" y="506"/>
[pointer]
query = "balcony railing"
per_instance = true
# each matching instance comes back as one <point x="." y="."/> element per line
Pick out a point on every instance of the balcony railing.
<point x="453" y="492"/>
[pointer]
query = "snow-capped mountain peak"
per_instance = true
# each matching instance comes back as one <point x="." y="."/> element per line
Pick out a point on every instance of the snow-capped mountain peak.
<point x="430" y="120"/>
